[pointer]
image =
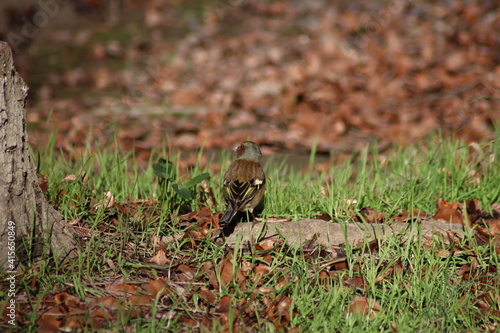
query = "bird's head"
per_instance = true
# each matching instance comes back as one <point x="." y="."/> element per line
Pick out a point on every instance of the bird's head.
<point x="248" y="150"/>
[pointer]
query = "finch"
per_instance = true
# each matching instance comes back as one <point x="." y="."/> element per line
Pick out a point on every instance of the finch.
<point x="244" y="182"/>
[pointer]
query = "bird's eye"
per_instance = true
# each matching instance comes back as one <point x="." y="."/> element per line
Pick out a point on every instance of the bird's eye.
<point x="240" y="150"/>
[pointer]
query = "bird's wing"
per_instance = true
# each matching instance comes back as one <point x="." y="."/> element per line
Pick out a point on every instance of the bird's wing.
<point x="239" y="194"/>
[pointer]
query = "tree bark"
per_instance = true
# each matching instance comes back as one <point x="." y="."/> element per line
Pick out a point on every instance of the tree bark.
<point x="25" y="215"/>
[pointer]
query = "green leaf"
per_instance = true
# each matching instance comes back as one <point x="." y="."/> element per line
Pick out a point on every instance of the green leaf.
<point x="182" y="191"/>
<point x="196" y="180"/>
<point x="164" y="169"/>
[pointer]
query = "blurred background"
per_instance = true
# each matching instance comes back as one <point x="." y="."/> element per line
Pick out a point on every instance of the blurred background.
<point x="287" y="74"/>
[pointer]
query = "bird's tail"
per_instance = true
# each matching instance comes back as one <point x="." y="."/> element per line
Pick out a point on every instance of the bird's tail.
<point x="227" y="217"/>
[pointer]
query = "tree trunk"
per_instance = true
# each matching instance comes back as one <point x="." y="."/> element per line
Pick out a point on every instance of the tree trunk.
<point x="29" y="226"/>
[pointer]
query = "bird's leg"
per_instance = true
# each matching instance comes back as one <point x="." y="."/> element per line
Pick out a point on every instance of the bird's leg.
<point x="220" y="238"/>
<point x="250" y="211"/>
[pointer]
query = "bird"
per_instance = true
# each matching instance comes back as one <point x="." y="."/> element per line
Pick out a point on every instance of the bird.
<point x="244" y="182"/>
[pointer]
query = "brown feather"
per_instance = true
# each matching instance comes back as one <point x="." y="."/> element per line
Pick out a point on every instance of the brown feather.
<point x="242" y="183"/>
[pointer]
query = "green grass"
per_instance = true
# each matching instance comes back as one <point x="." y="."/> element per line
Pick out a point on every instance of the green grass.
<point x="414" y="177"/>
<point x="423" y="293"/>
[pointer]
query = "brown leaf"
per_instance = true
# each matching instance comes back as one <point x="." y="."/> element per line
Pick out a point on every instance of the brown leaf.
<point x="194" y="234"/>
<point x="212" y="279"/>
<point x="283" y="281"/>
<point x="386" y="273"/>
<point x="491" y="228"/>
<point x="496" y="210"/>
<point x="355" y="282"/>
<point x="208" y="225"/>
<point x="466" y="268"/>
<point x="455" y="61"/>
<point x="140" y="299"/>
<point x="184" y="272"/>
<point x="246" y="266"/>
<point x="223" y="305"/>
<point x="324" y="217"/>
<point x="266" y="290"/>
<point x="43" y="181"/>
<point x="443" y="253"/>
<point x="494" y="226"/>
<point x="209" y="194"/>
<point x="324" y="278"/>
<point x="73" y="323"/>
<point x="157" y="287"/>
<point x="267" y="244"/>
<point x="108" y="201"/>
<point x="68" y="178"/>
<point x="187" y="97"/>
<point x="108" y="302"/>
<point x="279" y="310"/>
<point x="226" y="271"/>
<point x="448" y="212"/>
<point x="204" y="212"/>
<point x="406" y="216"/>
<point x="66" y="314"/>
<point x="473" y="210"/>
<point x="99" y="316"/>
<point x="122" y="289"/>
<point x="191" y="216"/>
<point x="160" y="258"/>
<point x="207" y="295"/>
<point x="370" y="215"/>
<point x="284" y="305"/>
<point x="267" y="258"/>
<point x="371" y="247"/>
<point x="67" y="299"/>
<point x="364" y="307"/>
<point x="260" y="270"/>
<point x="208" y="266"/>
<point x="339" y="265"/>
<point x="50" y="321"/>
<point x="188" y="321"/>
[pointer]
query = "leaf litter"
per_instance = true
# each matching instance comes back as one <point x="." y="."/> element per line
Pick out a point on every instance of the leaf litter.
<point x="251" y="286"/>
<point x="299" y="73"/>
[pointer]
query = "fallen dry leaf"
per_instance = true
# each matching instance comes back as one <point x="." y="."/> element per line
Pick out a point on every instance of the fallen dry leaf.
<point x="122" y="289"/>
<point x="448" y="212"/>
<point x="224" y="304"/>
<point x="493" y="226"/>
<point x="207" y="295"/>
<point x="108" y="201"/>
<point x="370" y="215"/>
<point x="157" y="287"/>
<point x="363" y="306"/>
<point x="69" y="178"/>
<point x="160" y="258"/>
<point x="226" y="271"/>
<point x="407" y="216"/>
